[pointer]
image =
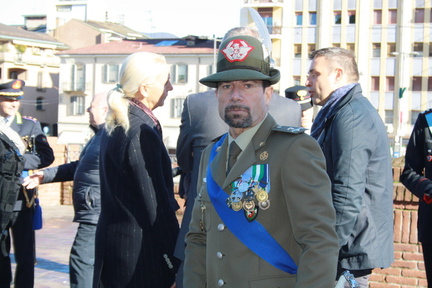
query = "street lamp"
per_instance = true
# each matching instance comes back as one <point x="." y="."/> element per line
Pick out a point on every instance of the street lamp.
<point x="401" y="105"/>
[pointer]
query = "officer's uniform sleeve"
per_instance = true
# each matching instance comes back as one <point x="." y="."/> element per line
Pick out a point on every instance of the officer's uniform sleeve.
<point x="43" y="155"/>
<point x="415" y="159"/>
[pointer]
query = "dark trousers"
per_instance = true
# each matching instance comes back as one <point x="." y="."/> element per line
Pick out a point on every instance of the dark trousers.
<point x="427" y="256"/>
<point x="82" y="257"/>
<point x="23" y="237"/>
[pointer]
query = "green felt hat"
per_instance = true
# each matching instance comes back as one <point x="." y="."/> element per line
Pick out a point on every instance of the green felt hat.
<point x="242" y="58"/>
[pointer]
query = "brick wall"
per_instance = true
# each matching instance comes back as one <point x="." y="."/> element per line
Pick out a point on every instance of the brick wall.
<point x="408" y="268"/>
<point x="59" y="193"/>
<point x="407" y="271"/>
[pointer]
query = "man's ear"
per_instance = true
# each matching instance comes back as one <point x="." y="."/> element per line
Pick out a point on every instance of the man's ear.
<point x="339" y="74"/>
<point x="268" y="93"/>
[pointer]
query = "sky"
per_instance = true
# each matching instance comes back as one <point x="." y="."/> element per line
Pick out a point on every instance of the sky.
<point x="179" y="17"/>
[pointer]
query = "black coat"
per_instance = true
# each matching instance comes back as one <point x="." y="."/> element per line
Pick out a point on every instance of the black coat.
<point x="356" y="148"/>
<point x="86" y="185"/>
<point x="417" y="174"/>
<point x="137" y="228"/>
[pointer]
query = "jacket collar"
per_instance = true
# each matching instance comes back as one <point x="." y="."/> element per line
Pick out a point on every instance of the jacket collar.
<point x="247" y="158"/>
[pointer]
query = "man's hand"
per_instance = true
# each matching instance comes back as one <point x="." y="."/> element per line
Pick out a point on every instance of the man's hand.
<point x="32" y="181"/>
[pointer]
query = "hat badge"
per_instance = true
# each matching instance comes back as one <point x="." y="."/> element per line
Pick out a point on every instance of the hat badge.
<point x="17" y="85"/>
<point x="237" y="50"/>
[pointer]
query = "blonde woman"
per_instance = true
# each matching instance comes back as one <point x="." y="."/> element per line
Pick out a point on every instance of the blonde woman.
<point x="137" y="227"/>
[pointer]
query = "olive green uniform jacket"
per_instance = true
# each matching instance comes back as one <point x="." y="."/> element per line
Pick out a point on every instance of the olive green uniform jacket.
<point x="301" y="217"/>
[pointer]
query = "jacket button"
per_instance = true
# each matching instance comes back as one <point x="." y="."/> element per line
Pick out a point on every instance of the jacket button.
<point x="221" y="227"/>
<point x="219" y="255"/>
<point x="221" y="283"/>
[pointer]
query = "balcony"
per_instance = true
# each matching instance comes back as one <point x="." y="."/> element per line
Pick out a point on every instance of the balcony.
<point x="274" y="29"/>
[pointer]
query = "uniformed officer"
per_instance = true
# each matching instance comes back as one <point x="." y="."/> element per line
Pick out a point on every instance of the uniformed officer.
<point x="417" y="177"/>
<point x="38" y="155"/>
<point x="301" y="95"/>
<point x="259" y="221"/>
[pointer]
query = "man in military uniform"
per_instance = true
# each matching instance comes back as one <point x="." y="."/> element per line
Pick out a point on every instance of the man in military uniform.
<point x="38" y="155"/>
<point x="259" y="221"/>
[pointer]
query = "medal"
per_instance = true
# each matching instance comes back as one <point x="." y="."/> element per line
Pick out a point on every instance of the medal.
<point x="236" y="196"/>
<point x="243" y="186"/>
<point x="249" y="205"/>
<point x="262" y="195"/>
<point x="251" y="215"/>
<point x="264" y="205"/>
<point x="237" y="206"/>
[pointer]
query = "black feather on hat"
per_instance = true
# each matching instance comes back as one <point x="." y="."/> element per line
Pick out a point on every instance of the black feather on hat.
<point x="12" y="89"/>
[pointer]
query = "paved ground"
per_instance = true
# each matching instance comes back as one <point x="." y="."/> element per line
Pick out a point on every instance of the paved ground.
<point x="53" y="244"/>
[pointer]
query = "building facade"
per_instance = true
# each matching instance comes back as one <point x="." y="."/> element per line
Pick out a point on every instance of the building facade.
<point x="90" y="70"/>
<point x="390" y="38"/>
<point x="30" y="56"/>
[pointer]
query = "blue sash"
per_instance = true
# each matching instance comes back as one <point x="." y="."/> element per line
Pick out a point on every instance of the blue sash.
<point x="428" y="117"/>
<point x="251" y="234"/>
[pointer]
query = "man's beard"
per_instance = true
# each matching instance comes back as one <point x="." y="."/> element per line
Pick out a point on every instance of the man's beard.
<point x="237" y="120"/>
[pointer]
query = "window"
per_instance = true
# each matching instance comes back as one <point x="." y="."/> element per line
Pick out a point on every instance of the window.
<point x="40" y="104"/>
<point x="416" y="83"/>
<point x="179" y="73"/>
<point x="430" y="49"/>
<point x="176" y="107"/>
<point x="419" y="14"/>
<point x="337" y="17"/>
<point x="391" y="48"/>
<point x="299" y="18"/>
<point x="390" y="83"/>
<point x="78" y="77"/>
<point x="350" y="46"/>
<point x="351" y="17"/>
<point x="40" y="82"/>
<point x="312" y="18"/>
<point x="392" y="17"/>
<point x="376" y="49"/>
<point x="267" y="16"/>
<point x="418" y="47"/>
<point x="17" y="74"/>
<point x="377" y="17"/>
<point x="311" y="48"/>
<point x="297" y="50"/>
<point x="110" y="73"/>
<point x="414" y="116"/>
<point x="429" y="84"/>
<point x="388" y="117"/>
<point x="77" y="106"/>
<point x="296" y="80"/>
<point x="375" y="83"/>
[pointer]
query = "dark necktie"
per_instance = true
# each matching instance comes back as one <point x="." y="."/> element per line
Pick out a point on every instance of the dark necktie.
<point x="234" y="151"/>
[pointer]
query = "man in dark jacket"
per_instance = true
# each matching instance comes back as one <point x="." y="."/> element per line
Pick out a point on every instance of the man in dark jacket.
<point x="86" y="195"/>
<point x="417" y="177"/>
<point x="355" y="144"/>
<point x="37" y="155"/>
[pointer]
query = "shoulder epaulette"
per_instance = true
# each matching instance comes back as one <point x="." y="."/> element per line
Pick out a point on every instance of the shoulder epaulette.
<point x="30" y="118"/>
<point x="427" y="111"/>
<point x="289" y="129"/>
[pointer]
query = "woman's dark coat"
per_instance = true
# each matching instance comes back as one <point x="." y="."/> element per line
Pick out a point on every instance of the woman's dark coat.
<point x="137" y="228"/>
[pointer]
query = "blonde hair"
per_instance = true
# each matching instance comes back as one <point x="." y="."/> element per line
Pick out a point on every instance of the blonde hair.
<point x="141" y="68"/>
